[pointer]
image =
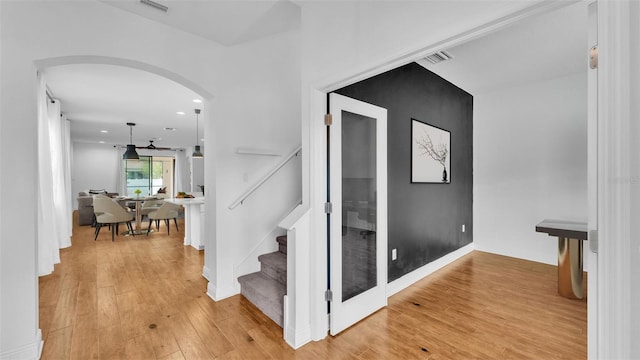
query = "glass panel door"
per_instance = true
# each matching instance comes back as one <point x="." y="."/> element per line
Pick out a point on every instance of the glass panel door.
<point x="138" y="174"/>
<point x="145" y="174"/>
<point x="157" y="182"/>
<point x="359" y="272"/>
<point x="358" y="223"/>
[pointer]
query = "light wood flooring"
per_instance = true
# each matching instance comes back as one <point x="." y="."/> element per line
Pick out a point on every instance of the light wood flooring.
<point x="144" y="298"/>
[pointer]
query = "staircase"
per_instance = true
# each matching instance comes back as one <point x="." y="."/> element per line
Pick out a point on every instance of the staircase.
<point x="266" y="288"/>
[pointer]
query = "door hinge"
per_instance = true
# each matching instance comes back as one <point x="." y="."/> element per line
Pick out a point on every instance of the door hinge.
<point x="328" y="119"/>
<point x="328" y="295"/>
<point x="593" y="57"/>
<point x="593" y="241"/>
<point x="328" y="208"/>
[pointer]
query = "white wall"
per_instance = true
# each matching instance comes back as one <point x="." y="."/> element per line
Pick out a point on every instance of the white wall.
<point x="94" y="166"/>
<point x="259" y="108"/>
<point x="257" y="101"/>
<point x="197" y="173"/>
<point x="634" y="246"/>
<point x="29" y="32"/>
<point x="530" y="164"/>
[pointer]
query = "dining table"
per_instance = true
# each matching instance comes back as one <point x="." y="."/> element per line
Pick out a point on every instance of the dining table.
<point x="137" y="230"/>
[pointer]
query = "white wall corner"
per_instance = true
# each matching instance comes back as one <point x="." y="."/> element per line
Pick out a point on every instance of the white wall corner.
<point x="207" y="273"/>
<point x="295" y="336"/>
<point x="31" y="350"/>
<point x="250" y="263"/>
<point x="298" y="337"/>
<point x="218" y="294"/>
<point x="409" y="279"/>
<point x="214" y="292"/>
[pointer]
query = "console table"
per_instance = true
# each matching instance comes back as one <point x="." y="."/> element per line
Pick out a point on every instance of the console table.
<point x="570" y="236"/>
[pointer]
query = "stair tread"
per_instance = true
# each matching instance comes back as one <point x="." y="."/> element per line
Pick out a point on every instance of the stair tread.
<point x="282" y="240"/>
<point x="265" y="293"/>
<point x="264" y="285"/>
<point x="275" y="259"/>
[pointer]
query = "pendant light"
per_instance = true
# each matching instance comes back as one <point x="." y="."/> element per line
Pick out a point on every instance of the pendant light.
<point x="131" y="153"/>
<point x="196" y="152"/>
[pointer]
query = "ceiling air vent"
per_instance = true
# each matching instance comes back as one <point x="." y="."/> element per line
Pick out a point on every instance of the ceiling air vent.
<point x="439" y="56"/>
<point x="156" y="5"/>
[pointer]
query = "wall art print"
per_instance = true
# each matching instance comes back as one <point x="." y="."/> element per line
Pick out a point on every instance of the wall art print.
<point x="430" y="153"/>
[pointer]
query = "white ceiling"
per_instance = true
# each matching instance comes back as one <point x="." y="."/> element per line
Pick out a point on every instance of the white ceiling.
<point x="543" y="47"/>
<point x="106" y="97"/>
<point x="228" y="22"/>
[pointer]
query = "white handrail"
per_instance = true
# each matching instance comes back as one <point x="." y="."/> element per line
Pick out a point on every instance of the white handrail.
<point x="257" y="185"/>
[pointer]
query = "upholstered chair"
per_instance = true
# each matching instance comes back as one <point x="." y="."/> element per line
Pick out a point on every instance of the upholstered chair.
<point x="166" y="212"/>
<point x="110" y="212"/>
<point x="93" y="220"/>
<point x="150" y="205"/>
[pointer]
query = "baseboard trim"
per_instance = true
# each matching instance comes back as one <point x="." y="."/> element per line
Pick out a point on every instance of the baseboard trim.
<point x="219" y="294"/>
<point x="28" y="351"/>
<point x="294" y="337"/>
<point x="411" y="278"/>
<point x="206" y="273"/>
<point x="297" y="338"/>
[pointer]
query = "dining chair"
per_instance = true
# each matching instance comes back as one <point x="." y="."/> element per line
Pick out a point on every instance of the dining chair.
<point x="93" y="220"/>
<point x="110" y="212"/>
<point x="150" y="205"/>
<point x="166" y="212"/>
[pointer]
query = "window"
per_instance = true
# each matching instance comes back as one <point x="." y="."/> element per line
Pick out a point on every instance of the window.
<point x="144" y="174"/>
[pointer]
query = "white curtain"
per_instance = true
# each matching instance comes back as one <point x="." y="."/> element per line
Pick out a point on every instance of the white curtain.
<point x="54" y="198"/>
<point x="120" y="180"/>
<point x="67" y="150"/>
<point x="183" y="172"/>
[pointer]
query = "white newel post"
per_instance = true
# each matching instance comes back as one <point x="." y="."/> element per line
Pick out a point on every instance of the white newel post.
<point x="297" y="308"/>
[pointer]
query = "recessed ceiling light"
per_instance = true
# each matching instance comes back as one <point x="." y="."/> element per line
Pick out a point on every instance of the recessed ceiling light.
<point x="180" y="112"/>
<point x="197" y="101"/>
<point x="101" y="142"/>
<point x="104" y="131"/>
<point x="170" y="129"/>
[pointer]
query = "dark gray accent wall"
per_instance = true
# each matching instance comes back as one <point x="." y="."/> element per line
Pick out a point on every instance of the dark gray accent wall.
<point x="425" y="220"/>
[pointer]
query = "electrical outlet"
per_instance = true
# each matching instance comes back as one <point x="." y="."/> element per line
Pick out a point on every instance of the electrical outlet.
<point x="463" y="228"/>
<point x="394" y="254"/>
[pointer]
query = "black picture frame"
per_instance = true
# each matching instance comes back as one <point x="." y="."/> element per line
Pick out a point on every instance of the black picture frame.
<point x="430" y="154"/>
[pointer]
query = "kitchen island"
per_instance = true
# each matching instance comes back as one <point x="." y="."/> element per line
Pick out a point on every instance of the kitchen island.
<point x="194" y="210"/>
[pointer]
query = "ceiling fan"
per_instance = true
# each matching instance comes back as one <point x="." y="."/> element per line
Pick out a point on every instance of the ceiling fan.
<point x="153" y="147"/>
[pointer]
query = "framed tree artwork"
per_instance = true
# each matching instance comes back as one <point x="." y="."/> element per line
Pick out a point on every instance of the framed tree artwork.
<point x="430" y="153"/>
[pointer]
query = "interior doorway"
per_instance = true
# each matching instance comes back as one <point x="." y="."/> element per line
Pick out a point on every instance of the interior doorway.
<point x="450" y="43"/>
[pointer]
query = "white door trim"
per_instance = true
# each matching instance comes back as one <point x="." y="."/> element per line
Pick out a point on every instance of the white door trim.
<point x="592" y="187"/>
<point x="617" y="115"/>
<point x="347" y="313"/>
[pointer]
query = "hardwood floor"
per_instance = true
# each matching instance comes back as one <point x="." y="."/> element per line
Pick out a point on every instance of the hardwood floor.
<point x="144" y="298"/>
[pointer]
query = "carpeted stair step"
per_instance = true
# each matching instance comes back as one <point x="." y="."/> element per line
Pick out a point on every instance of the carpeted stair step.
<point x="282" y="243"/>
<point x="274" y="265"/>
<point x="265" y="293"/>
